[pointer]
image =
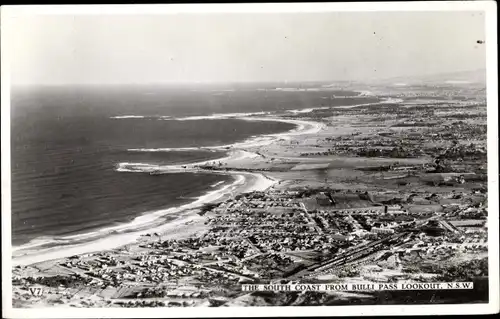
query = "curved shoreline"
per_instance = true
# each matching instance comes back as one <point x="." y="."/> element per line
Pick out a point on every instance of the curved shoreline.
<point x="161" y="220"/>
<point x="302" y="127"/>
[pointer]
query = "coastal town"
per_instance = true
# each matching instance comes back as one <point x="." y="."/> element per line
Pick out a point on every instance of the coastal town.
<point x="394" y="191"/>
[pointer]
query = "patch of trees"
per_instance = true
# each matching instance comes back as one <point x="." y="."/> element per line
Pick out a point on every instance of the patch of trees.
<point x="207" y="207"/>
<point x="308" y="192"/>
<point x="57" y="281"/>
<point x="396" y="152"/>
<point x="465" y="271"/>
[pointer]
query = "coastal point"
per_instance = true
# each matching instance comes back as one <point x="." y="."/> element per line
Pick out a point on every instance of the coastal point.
<point x="249" y="160"/>
<point x="374" y="191"/>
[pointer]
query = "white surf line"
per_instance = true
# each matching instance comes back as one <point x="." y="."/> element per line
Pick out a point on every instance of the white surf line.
<point x="135" y="168"/>
<point x="303" y="127"/>
<point x="217" y="184"/>
<point x="109" y="239"/>
<point x="247" y="114"/>
<point x="128" y="117"/>
<point x="309" y="110"/>
<point x="217" y="116"/>
<point x="194" y="117"/>
<point x="234" y="155"/>
<point x="171" y="149"/>
<point x="384" y="100"/>
<point x="266" y="139"/>
<point x="365" y="93"/>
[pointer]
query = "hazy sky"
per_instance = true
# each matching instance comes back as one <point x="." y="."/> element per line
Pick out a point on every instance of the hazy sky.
<point x="86" y="49"/>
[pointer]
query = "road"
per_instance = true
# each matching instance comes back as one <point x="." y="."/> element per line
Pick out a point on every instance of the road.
<point x="344" y="258"/>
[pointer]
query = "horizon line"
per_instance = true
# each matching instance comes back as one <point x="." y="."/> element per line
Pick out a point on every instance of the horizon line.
<point x="229" y="82"/>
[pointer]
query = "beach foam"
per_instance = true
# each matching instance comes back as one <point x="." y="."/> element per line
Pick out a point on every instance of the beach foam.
<point x="217" y="184"/>
<point x="301" y="111"/>
<point x="167" y="149"/>
<point x="302" y="127"/>
<point x="47" y="248"/>
<point x="236" y="155"/>
<point x="120" y="235"/>
<point x="385" y="100"/>
<point x="128" y="117"/>
<point x="218" y="116"/>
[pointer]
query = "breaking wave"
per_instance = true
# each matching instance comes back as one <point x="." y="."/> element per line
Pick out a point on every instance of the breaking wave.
<point x="128" y="117"/>
<point x="48" y="247"/>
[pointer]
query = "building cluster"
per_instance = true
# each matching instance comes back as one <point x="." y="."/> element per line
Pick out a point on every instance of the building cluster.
<point x="439" y="93"/>
<point x="246" y="243"/>
<point x="304" y="233"/>
<point x="411" y="143"/>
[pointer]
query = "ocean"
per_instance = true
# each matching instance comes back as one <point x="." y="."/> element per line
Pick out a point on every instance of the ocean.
<point x="67" y="141"/>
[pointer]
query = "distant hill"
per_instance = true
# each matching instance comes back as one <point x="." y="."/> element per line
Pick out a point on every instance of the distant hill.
<point x="462" y="77"/>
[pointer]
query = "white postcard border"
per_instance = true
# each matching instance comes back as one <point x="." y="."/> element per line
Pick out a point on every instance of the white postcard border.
<point x="489" y="7"/>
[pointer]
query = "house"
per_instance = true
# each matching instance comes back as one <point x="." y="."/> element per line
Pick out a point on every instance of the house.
<point x="380" y="230"/>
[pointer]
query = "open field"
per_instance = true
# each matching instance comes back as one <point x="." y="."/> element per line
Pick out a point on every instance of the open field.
<point x="385" y="191"/>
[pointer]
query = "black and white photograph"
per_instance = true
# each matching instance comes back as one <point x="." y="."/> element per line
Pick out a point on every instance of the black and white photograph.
<point x="249" y="159"/>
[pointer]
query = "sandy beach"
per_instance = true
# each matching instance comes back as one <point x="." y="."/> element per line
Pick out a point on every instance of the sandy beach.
<point x="258" y="157"/>
<point x="172" y="221"/>
<point x="165" y="221"/>
<point x="169" y="222"/>
<point x="278" y="165"/>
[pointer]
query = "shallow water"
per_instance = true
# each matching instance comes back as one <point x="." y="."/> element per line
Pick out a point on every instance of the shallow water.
<point x="66" y="145"/>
